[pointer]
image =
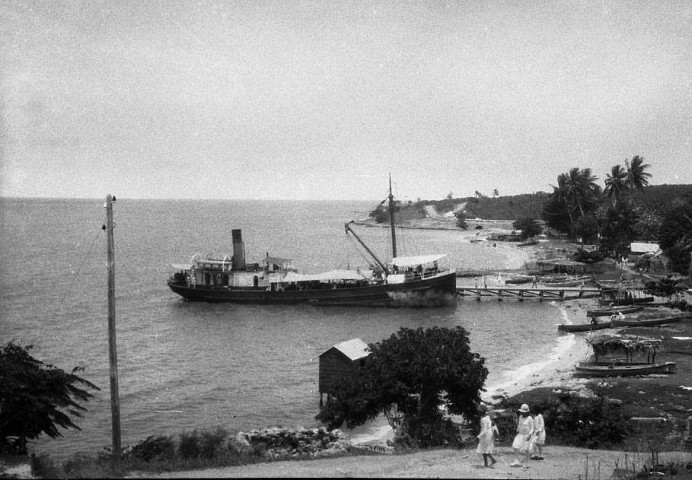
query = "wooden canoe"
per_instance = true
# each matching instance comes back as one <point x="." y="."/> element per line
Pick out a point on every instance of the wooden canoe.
<point x="623" y="369"/>
<point x="518" y="279"/>
<point x="602" y="312"/>
<point x="583" y="327"/>
<point x="625" y="301"/>
<point x="646" y="322"/>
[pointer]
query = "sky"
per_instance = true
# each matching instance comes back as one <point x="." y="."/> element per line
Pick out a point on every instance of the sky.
<point x="264" y="99"/>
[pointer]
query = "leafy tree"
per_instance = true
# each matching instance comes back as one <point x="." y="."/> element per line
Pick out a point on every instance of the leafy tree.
<point x="582" y="191"/>
<point x="555" y="213"/>
<point x="461" y="220"/>
<point x="529" y="227"/>
<point x="587" y="228"/>
<point x="575" y="195"/>
<point x="675" y="237"/>
<point x="418" y="371"/>
<point x="664" y="287"/>
<point x="617" y="228"/>
<point x="36" y="398"/>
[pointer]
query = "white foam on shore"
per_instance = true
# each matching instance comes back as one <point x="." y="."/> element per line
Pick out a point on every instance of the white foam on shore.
<point x="521" y="378"/>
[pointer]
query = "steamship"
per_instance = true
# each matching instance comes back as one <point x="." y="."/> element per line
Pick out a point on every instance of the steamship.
<point x="402" y="281"/>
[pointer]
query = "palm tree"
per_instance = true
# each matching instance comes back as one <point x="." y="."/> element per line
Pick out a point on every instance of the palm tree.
<point x="637" y="177"/>
<point x="582" y="190"/>
<point x="616" y="183"/>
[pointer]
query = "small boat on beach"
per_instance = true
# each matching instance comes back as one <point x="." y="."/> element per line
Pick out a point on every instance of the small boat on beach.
<point x="571" y="283"/>
<point x="518" y="279"/>
<point x="553" y="279"/>
<point x="402" y="281"/>
<point x="646" y="322"/>
<point x="616" y="345"/>
<point x="583" y="327"/>
<point x="528" y="243"/>
<point x="619" y="301"/>
<point x="603" y="312"/>
<point x="604" y="369"/>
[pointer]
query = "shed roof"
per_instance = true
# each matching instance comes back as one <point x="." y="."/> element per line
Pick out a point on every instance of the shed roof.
<point x="353" y="349"/>
<point x="644" y="247"/>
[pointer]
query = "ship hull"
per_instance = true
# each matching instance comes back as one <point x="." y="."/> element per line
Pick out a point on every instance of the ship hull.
<point x="438" y="290"/>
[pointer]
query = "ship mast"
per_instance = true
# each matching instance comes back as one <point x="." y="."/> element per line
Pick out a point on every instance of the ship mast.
<point x="391" y="217"/>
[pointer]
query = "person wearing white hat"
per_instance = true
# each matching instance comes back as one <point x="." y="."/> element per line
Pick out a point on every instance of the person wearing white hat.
<point x="522" y="440"/>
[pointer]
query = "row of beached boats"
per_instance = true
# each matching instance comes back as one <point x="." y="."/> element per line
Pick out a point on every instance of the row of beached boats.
<point x="619" y="321"/>
<point x="607" y="344"/>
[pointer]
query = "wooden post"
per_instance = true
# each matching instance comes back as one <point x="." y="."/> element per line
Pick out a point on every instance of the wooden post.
<point x="112" y="347"/>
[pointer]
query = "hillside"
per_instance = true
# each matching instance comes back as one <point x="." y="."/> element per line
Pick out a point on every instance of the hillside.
<point x="512" y="207"/>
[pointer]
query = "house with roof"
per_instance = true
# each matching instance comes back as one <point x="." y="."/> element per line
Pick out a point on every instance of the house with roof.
<point x="341" y="363"/>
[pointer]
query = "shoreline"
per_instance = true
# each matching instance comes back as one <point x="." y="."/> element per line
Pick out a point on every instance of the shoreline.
<point x="556" y="371"/>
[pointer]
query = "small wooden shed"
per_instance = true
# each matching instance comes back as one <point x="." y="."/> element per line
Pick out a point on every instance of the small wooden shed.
<point x="341" y="362"/>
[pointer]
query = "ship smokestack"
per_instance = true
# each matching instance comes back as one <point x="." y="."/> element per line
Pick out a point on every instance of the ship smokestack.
<point x="238" y="250"/>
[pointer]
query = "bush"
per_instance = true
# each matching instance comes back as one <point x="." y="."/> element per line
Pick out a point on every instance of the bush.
<point x="585" y="256"/>
<point x="153" y="448"/>
<point x="572" y="420"/>
<point x="189" y="446"/>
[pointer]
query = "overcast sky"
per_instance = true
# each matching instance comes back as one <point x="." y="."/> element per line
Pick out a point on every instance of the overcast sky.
<point x="322" y="99"/>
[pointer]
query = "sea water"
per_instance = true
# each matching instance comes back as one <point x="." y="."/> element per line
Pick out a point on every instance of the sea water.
<point x="184" y="366"/>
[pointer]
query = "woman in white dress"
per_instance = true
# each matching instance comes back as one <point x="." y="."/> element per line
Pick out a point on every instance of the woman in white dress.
<point x="522" y="441"/>
<point x="538" y="439"/>
<point x="486" y="438"/>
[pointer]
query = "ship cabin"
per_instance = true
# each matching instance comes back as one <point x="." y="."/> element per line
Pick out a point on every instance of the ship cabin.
<point x="406" y="269"/>
<point x="326" y="280"/>
<point x="340" y="364"/>
<point x="226" y="272"/>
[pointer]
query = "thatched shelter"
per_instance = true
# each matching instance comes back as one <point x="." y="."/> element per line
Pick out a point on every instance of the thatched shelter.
<point x="612" y="345"/>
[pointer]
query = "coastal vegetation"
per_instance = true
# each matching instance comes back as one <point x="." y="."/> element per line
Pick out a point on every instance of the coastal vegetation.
<point x="36" y="398"/>
<point x="410" y="377"/>
<point x="625" y="209"/>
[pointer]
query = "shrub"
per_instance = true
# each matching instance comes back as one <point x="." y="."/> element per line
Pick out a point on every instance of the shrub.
<point x="212" y="443"/>
<point x="189" y="446"/>
<point x="153" y="448"/>
<point x="573" y="420"/>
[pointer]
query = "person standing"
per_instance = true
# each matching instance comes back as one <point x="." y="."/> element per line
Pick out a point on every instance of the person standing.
<point x="522" y="440"/>
<point x="486" y="437"/>
<point x="538" y="439"/>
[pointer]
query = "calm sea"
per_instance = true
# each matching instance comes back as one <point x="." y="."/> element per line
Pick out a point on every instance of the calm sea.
<point x="186" y="366"/>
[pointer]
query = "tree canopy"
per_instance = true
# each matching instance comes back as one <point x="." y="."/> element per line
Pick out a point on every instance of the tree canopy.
<point x="415" y="372"/>
<point x="36" y="398"/>
<point x="529" y="227"/>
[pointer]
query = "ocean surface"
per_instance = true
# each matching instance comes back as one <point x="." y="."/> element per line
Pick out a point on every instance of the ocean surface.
<point x="185" y="366"/>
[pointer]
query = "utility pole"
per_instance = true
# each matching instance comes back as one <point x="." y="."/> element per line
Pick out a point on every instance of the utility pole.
<point x="112" y="347"/>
